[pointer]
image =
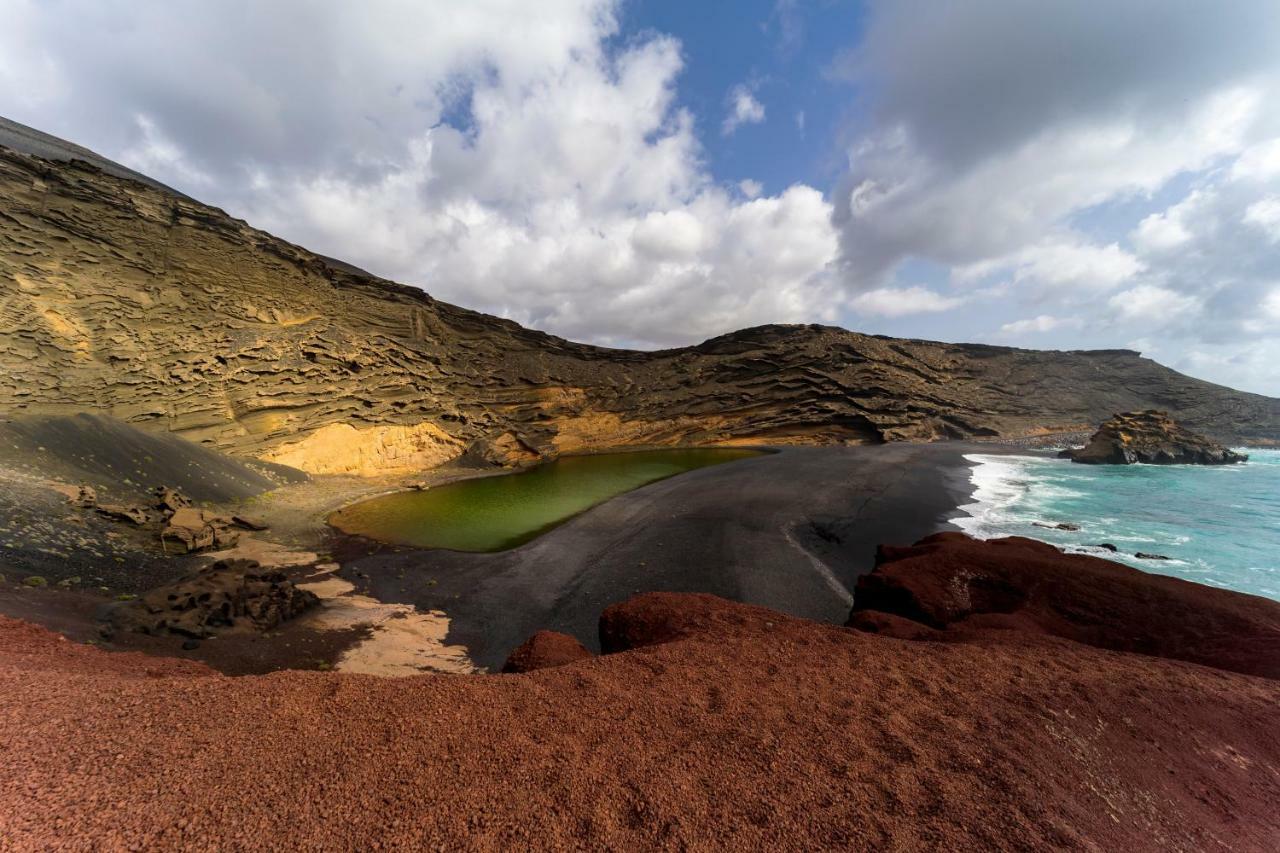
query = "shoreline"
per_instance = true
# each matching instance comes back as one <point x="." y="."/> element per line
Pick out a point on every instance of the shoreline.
<point x="791" y="530"/>
<point x="794" y="536"/>
<point x="1213" y="525"/>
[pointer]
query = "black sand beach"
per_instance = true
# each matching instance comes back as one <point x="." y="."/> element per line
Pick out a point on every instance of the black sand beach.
<point x="791" y="531"/>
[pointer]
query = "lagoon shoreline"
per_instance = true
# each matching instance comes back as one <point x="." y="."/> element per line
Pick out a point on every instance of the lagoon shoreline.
<point x="791" y="530"/>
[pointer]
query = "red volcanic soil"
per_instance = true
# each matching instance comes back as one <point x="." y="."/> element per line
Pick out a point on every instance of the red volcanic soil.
<point x="545" y="649"/>
<point x="715" y="725"/>
<point x="949" y="580"/>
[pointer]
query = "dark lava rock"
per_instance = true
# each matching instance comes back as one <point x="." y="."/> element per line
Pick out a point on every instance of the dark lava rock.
<point x="950" y="582"/>
<point x="1141" y="556"/>
<point x="1151" y="437"/>
<point x="1107" y="546"/>
<point x="115" y="512"/>
<point x="230" y="594"/>
<point x="545" y="649"/>
<point x="189" y="529"/>
<point x="1058" y="526"/>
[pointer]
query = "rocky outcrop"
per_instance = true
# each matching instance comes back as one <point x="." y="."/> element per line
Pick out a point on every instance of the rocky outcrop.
<point x="1153" y="438"/>
<point x="124" y="299"/>
<point x="180" y="527"/>
<point x="543" y="650"/>
<point x="230" y="594"/>
<point x="950" y="582"/>
<point x="726" y="727"/>
<point x="189" y="529"/>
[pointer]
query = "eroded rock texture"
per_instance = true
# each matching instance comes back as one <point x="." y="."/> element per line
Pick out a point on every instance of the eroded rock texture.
<point x="230" y="594"/>
<point x="951" y="582"/>
<point x="1151" y="437"/>
<point x="119" y="297"/>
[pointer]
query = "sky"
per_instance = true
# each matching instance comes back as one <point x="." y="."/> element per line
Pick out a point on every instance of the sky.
<point x="1056" y="175"/>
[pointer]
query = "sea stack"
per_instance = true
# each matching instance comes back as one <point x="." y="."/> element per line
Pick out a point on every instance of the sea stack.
<point x="1151" y="437"/>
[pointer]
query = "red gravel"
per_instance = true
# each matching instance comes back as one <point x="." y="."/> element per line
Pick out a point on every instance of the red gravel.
<point x="744" y="728"/>
<point x="949" y="580"/>
<point x="545" y="649"/>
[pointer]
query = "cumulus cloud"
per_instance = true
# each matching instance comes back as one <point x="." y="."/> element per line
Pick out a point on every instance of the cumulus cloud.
<point x="1038" y="150"/>
<point x="1058" y="263"/>
<point x="1040" y="324"/>
<point x="1265" y="214"/>
<point x="1151" y="303"/>
<point x="902" y="301"/>
<point x="515" y="158"/>
<point x="1074" y="174"/>
<point x="743" y="109"/>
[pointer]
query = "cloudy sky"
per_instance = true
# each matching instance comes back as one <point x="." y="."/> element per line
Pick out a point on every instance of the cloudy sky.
<point x="1058" y="174"/>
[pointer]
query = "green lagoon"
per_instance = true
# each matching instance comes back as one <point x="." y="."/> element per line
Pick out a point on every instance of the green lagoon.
<point x="496" y="513"/>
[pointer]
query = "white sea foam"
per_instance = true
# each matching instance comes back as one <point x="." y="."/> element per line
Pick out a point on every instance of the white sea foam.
<point x="1223" y="532"/>
<point x="999" y="482"/>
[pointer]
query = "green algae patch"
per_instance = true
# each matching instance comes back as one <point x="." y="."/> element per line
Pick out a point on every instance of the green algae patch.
<point x="496" y="513"/>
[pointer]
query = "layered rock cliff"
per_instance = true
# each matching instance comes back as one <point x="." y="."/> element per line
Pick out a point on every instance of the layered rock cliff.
<point x="1153" y="438"/>
<point x="121" y="297"/>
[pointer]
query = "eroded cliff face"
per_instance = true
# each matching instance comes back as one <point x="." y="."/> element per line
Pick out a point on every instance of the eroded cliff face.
<point x="1151" y="437"/>
<point x="121" y="298"/>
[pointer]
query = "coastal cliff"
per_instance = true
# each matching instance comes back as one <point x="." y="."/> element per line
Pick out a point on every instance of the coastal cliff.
<point x="120" y="297"/>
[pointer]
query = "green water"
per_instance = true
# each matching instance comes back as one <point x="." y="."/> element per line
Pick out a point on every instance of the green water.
<point x="496" y="513"/>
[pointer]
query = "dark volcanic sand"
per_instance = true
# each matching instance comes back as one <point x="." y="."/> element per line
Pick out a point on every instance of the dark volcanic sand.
<point x="791" y="531"/>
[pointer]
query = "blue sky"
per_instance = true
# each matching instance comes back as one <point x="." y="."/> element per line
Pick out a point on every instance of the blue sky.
<point x="783" y="52"/>
<point x="1046" y="175"/>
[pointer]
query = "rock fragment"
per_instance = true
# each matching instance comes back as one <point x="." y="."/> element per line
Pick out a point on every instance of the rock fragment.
<point x="230" y="594"/>
<point x="545" y="649"/>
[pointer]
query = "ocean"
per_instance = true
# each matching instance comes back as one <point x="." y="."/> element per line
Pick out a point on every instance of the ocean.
<point x="1219" y="525"/>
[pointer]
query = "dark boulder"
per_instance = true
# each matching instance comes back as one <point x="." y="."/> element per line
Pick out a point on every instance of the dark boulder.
<point x="230" y="594"/>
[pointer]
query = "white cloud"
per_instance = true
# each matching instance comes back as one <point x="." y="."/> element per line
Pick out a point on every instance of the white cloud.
<point x="901" y="202"/>
<point x="1146" y="178"/>
<point x="1271" y="304"/>
<point x="902" y="301"/>
<point x="1265" y="214"/>
<point x="1038" y="325"/>
<point x="1158" y="233"/>
<point x="1152" y="304"/>
<point x="743" y="109"/>
<point x="155" y="154"/>
<point x="514" y="158"/>
<point x="1007" y="162"/>
<point x="1058" y="263"/>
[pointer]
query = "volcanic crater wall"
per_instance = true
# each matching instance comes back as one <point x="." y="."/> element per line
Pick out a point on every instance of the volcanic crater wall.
<point x="118" y="297"/>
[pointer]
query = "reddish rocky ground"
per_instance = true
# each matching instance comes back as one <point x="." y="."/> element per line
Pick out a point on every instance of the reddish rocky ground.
<point x="719" y="726"/>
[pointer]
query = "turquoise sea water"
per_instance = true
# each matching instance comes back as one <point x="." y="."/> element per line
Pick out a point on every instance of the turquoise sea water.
<point x="1219" y="525"/>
